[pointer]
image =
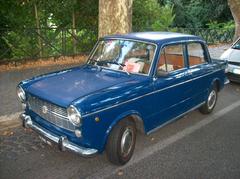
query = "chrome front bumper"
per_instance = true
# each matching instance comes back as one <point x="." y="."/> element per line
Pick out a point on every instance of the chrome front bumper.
<point x="62" y="141"/>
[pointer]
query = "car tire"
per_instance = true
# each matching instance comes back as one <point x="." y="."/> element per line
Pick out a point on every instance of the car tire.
<point x="121" y="142"/>
<point x="211" y="101"/>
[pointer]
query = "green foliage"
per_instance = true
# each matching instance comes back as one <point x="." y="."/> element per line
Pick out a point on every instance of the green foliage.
<point x="224" y="25"/>
<point x="149" y="15"/>
<point x="197" y="13"/>
<point x="5" y="51"/>
<point x="165" y="20"/>
<point x="19" y="44"/>
<point x="15" y="14"/>
<point x="19" y="38"/>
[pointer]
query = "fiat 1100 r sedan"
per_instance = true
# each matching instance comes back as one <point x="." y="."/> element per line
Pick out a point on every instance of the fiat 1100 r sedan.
<point x="133" y="82"/>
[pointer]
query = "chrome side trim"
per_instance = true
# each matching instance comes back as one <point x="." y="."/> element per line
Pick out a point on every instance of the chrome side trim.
<point x="62" y="141"/>
<point x="174" y="119"/>
<point x="157" y="91"/>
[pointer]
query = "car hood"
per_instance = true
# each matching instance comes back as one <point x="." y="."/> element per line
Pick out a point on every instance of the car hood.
<point x="64" y="87"/>
<point x="232" y="55"/>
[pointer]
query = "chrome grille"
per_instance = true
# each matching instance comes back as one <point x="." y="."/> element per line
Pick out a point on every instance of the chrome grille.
<point x="50" y="112"/>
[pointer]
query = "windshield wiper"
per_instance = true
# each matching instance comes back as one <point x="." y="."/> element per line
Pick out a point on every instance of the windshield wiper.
<point x="99" y="63"/>
<point x="96" y="62"/>
<point x="115" y="63"/>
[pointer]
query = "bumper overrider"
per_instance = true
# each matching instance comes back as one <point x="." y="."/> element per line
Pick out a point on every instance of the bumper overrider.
<point x="62" y="141"/>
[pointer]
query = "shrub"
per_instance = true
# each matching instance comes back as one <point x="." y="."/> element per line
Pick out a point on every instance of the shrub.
<point x="149" y="15"/>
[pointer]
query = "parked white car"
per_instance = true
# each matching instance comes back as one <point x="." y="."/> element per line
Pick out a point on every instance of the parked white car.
<point x="232" y="55"/>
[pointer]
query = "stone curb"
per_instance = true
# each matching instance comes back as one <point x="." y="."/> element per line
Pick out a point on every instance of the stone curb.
<point x="9" y="121"/>
<point x="10" y="117"/>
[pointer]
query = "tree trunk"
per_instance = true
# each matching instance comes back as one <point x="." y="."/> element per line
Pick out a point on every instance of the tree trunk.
<point x="115" y="17"/>
<point x="38" y="30"/>
<point x="234" y="6"/>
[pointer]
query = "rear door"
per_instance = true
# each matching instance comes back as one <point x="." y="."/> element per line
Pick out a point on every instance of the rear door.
<point x="199" y="69"/>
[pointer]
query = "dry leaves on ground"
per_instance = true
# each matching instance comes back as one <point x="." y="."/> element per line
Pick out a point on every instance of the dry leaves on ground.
<point x="63" y="60"/>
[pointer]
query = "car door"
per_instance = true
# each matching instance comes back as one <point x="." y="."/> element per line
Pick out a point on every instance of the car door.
<point x="199" y="69"/>
<point x="170" y="98"/>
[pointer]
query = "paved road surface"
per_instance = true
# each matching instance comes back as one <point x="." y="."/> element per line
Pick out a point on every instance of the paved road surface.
<point x="196" y="146"/>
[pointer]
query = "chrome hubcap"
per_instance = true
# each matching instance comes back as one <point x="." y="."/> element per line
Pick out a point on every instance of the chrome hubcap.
<point x="212" y="99"/>
<point x="126" y="141"/>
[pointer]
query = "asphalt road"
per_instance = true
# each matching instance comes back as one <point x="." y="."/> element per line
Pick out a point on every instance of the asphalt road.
<point x="195" y="146"/>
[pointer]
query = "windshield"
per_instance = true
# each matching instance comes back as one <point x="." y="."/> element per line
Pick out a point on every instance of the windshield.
<point x="236" y="45"/>
<point x="125" y="55"/>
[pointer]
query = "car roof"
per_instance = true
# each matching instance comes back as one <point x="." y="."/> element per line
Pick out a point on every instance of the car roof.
<point x="155" y="37"/>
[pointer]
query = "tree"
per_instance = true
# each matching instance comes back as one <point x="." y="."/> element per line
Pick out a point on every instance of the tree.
<point x="235" y="9"/>
<point x="115" y="16"/>
<point x="38" y="30"/>
<point x="150" y="15"/>
<point x="198" y="13"/>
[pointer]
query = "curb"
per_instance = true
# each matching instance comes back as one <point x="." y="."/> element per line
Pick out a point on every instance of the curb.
<point x="9" y="121"/>
<point x="6" y="125"/>
<point x="10" y="117"/>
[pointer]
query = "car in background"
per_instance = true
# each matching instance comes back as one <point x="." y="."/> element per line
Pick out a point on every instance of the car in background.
<point x="232" y="56"/>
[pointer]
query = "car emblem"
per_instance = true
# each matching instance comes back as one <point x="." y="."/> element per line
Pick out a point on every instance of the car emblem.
<point x="44" y="109"/>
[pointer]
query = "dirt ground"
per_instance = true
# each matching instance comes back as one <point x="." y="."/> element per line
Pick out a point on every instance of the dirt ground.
<point x="26" y="64"/>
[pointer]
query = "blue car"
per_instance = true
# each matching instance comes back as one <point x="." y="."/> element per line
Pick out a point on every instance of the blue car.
<point x="133" y="82"/>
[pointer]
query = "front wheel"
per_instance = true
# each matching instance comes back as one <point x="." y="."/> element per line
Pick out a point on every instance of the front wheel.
<point x="210" y="103"/>
<point x="121" y="142"/>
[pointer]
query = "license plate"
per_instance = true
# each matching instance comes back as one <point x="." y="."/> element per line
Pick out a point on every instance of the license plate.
<point x="46" y="141"/>
<point x="236" y="71"/>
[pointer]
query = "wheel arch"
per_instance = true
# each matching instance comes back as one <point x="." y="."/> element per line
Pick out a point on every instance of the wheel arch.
<point x="216" y="82"/>
<point x="131" y="115"/>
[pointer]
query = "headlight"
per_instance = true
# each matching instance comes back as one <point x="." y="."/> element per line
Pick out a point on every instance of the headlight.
<point x="21" y="94"/>
<point x="74" y="115"/>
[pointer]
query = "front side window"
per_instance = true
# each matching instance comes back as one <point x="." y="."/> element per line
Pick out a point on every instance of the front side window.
<point x="171" y="58"/>
<point x="124" y="55"/>
<point x="195" y="54"/>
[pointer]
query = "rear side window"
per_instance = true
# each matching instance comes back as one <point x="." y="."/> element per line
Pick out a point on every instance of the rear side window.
<point x="171" y="58"/>
<point x="195" y="54"/>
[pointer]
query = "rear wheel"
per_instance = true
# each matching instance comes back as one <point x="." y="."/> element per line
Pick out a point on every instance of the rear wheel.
<point x="121" y="142"/>
<point x="211" y="101"/>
